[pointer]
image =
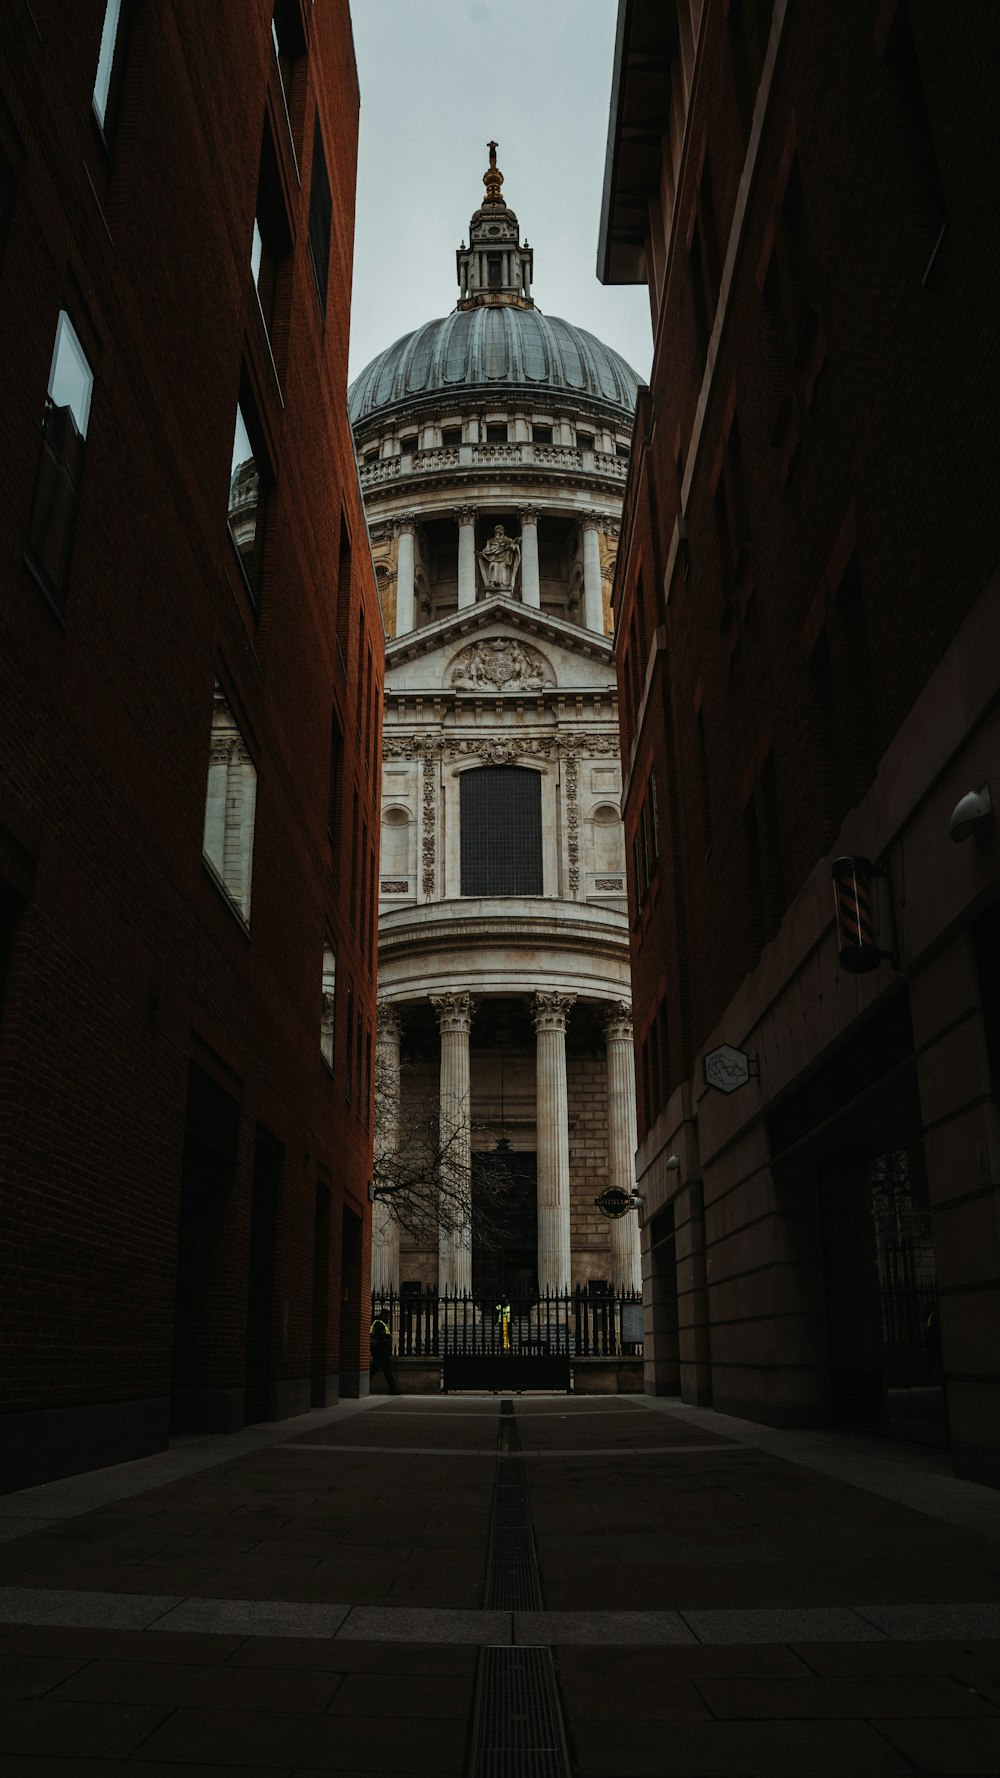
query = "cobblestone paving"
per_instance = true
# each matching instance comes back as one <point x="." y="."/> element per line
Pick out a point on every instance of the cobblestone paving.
<point x="310" y="1601"/>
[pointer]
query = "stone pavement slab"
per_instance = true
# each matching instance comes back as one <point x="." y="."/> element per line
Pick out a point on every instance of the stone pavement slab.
<point x="734" y="1750"/>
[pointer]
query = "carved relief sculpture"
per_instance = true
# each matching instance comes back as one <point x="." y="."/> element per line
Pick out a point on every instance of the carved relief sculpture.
<point x="500" y="664"/>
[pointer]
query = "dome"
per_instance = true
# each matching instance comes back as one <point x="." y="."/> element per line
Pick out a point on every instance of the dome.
<point x="485" y="348"/>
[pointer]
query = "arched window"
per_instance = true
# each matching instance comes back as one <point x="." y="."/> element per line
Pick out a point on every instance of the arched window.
<point x="501" y="810"/>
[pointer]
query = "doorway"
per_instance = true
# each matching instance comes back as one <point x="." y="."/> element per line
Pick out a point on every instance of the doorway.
<point x="211" y="1134"/>
<point x="886" y="1369"/>
<point x="258" y="1395"/>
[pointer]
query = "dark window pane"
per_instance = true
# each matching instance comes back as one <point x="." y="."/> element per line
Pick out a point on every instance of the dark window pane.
<point x="501" y="831"/>
<point x="60" y="461"/>
<point x="320" y="216"/>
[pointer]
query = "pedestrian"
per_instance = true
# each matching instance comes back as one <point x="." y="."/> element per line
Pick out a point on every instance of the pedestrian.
<point x="381" y="1350"/>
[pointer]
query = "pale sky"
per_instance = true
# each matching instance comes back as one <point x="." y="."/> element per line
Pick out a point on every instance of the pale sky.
<point x="439" y="78"/>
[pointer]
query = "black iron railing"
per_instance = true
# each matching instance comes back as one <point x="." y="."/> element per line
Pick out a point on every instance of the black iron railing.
<point x="575" y="1324"/>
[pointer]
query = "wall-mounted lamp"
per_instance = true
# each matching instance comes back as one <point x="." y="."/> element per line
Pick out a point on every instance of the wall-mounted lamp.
<point x="673" y="1164"/>
<point x="971" y="815"/>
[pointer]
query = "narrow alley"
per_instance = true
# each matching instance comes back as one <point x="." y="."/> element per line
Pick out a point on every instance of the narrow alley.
<point x="476" y="1585"/>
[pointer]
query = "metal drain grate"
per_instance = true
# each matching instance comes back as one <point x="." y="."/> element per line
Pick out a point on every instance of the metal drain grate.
<point x="512" y="1582"/>
<point x="517" y="1730"/>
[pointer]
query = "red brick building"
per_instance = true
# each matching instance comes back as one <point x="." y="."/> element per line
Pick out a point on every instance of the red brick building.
<point x="809" y="658"/>
<point x="190" y="715"/>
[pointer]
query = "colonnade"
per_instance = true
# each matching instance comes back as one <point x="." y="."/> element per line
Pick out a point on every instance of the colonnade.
<point x="550" y="1012"/>
<point x="469" y="588"/>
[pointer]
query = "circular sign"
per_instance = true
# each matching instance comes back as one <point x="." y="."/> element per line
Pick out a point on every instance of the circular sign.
<point x="614" y="1201"/>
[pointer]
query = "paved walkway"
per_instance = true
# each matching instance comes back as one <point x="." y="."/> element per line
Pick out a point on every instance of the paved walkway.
<point x="340" y="1594"/>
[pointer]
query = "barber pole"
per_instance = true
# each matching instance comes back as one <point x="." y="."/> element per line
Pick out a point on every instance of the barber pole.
<point x="854" y="900"/>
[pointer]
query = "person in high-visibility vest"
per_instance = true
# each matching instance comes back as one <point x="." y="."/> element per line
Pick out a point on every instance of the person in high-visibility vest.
<point x="503" y="1322"/>
<point x="381" y="1350"/>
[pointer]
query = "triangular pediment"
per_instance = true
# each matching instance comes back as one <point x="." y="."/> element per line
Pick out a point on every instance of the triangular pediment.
<point x="500" y="647"/>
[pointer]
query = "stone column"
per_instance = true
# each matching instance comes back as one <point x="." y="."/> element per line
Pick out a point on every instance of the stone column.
<point x="551" y="1012"/>
<point x="405" y="563"/>
<point x="626" y="1259"/>
<point x="466" y="517"/>
<point x="593" y="602"/>
<point x="385" y="1228"/>
<point x="454" y="1016"/>
<point x="530" y="588"/>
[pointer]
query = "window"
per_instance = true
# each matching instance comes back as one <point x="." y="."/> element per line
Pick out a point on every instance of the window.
<point x="585" y="440"/>
<point x="249" y="480"/>
<point x="501" y="831"/>
<point x="622" y="452"/>
<point x="329" y="994"/>
<point x="344" y="570"/>
<point x="354" y="864"/>
<point x="541" y="434"/>
<point x="320" y="216"/>
<point x="271" y="239"/>
<point x="289" y="42"/>
<point x="349" y="1046"/>
<point x="335" y="801"/>
<point x="654" y="823"/>
<point x="903" y="65"/>
<point x="60" y="461"/>
<point x="111" y="66"/>
<point x="494" y="271"/>
<point x="357" y="1066"/>
<point x="230" y="806"/>
<point x="451" y="437"/>
<point x="496" y="434"/>
<point x="408" y="445"/>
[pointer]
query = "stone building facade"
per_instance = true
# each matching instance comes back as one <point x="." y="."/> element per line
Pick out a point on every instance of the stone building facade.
<point x="493" y="446"/>
<point x="808" y="626"/>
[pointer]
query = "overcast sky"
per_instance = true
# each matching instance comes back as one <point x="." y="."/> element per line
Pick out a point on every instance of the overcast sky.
<point x="439" y="78"/>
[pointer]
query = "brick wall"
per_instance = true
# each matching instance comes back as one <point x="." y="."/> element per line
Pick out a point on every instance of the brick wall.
<point x="126" y="960"/>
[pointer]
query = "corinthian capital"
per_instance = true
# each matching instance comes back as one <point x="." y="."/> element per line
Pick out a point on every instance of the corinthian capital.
<point x="454" y="1011"/>
<point x="551" y="1011"/>
<point x="618" y="1022"/>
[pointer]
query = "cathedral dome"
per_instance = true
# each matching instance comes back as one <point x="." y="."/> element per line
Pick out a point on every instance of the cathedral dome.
<point x="486" y="347"/>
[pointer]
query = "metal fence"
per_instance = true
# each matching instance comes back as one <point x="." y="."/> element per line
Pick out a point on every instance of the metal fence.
<point x="576" y="1324"/>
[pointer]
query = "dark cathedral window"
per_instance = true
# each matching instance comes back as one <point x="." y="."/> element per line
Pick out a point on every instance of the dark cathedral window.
<point x="493" y="275"/>
<point x="501" y="831"/>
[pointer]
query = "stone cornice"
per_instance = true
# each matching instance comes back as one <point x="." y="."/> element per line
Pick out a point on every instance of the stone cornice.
<point x="526" y="619"/>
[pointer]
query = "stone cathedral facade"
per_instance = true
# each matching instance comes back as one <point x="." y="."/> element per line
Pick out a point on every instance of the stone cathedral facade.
<point x="493" y="446"/>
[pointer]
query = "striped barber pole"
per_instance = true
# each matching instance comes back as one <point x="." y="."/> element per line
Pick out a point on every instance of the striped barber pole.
<point x="853" y="896"/>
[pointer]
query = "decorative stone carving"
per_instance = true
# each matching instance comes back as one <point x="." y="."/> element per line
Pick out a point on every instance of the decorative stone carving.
<point x="500" y="664"/>
<point x="609" y="885"/>
<point x="570" y="783"/>
<point x="494" y="750"/>
<point x="389" y="1024"/>
<point x="394" y="886"/>
<point x="429" y="847"/>
<point x="454" y="1011"/>
<point x="465" y="515"/>
<point x="578" y="743"/>
<point x="499" y="561"/>
<point x="551" y="1011"/>
<point x="618" y="1022"/>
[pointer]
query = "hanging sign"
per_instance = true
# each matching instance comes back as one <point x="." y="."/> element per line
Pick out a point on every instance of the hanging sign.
<point x="614" y="1202"/>
<point x="727" y="1068"/>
